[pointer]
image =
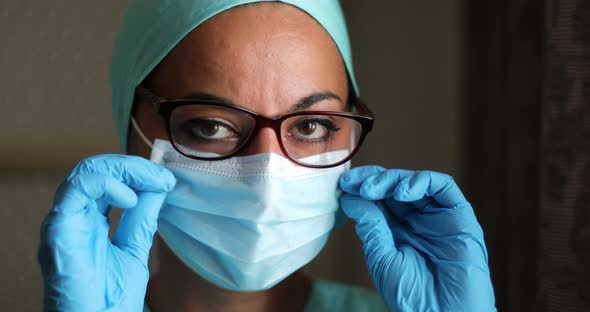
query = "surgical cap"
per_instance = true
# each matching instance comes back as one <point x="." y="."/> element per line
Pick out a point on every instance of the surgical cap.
<point x="152" y="28"/>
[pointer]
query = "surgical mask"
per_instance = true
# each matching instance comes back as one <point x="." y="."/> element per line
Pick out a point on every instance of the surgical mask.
<point x="246" y="223"/>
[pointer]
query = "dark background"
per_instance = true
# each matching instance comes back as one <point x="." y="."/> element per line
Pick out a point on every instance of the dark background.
<point x="494" y="93"/>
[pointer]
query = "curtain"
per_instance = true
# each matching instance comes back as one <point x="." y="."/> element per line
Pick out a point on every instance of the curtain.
<point x="527" y="119"/>
<point x="564" y="219"/>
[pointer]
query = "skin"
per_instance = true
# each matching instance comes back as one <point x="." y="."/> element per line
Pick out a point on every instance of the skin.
<point x="265" y="57"/>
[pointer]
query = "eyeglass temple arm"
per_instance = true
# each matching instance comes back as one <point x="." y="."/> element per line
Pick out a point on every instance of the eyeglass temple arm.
<point x="147" y="96"/>
<point x="363" y="108"/>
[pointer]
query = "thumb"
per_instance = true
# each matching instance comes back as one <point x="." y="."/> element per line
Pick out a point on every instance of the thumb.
<point x="372" y="228"/>
<point x="137" y="226"/>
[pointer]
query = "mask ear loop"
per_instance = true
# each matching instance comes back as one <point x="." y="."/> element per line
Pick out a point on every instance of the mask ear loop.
<point x="141" y="135"/>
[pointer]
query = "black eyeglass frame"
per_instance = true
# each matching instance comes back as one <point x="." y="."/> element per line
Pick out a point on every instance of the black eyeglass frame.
<point x="165" y="107"/>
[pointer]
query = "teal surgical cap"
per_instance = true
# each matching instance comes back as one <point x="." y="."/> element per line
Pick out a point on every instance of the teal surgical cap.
<point x="152" y="28"/>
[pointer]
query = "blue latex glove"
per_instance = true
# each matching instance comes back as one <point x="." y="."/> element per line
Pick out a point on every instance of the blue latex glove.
<point x="83" y="270"/>
<point x="423" y="245"/>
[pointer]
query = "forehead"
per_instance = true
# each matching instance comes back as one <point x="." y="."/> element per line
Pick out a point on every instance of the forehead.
<point x="264" y="57"/>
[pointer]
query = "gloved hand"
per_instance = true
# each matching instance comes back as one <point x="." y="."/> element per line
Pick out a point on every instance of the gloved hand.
<point x="83" y="270"/>
<point x="423" y="245"/>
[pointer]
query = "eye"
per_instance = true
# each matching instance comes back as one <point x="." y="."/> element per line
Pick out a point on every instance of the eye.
<point x="312" y="129"/>
<point x="210" y="130"/>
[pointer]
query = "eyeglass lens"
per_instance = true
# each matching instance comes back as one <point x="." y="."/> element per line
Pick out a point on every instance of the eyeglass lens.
<point x="208" y="131"/>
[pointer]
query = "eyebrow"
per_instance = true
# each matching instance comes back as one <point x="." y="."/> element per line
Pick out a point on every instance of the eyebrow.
<point x="312" y="99"/>
<point x="208" y="97"/>
<point x="303" y="103"/>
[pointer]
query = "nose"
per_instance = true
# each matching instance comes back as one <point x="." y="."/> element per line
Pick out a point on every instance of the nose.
<point x="265" y="141"/>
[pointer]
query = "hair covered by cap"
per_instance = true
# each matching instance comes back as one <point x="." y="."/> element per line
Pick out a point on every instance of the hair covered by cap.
<point x="152" y="28"/>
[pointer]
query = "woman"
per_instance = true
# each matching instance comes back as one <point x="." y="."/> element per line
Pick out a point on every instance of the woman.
<point x="249" y="113"/>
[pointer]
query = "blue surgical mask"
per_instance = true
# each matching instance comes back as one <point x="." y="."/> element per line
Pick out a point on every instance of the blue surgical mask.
<point x="246" y="223"/>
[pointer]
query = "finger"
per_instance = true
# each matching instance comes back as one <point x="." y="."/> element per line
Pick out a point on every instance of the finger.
<point x="411" y="189"/>
<point x="136" y="172"/>
<point x="382" y="185"/>
<point x="427" y="232"/>
<point x="444" y="214"/>
<point x="371" y="227"/>
<point x="137" y="226"/>
<point x="401" y="211"/>
<point x="440" y="187"/>
<point x="448" y="235"/>
<point x="351" y="181"/>
<point x="72" y="236"/>
<point x="411" y="207"/>
<point x="459" y="221"/>
<point x="82" y="190"/>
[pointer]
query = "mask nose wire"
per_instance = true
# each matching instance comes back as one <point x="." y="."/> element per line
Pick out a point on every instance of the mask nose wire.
<point x="141" y="135"/>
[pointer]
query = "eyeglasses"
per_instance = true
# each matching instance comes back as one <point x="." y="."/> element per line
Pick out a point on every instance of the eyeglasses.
<point x="210" y="130"/>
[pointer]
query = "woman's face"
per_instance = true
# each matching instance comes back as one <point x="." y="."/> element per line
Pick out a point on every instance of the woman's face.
<point x="265" y="57"/>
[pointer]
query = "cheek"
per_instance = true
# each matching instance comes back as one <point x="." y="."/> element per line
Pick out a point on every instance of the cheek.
<point x="150" y="124"/>
<point x="136" y="146"/>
